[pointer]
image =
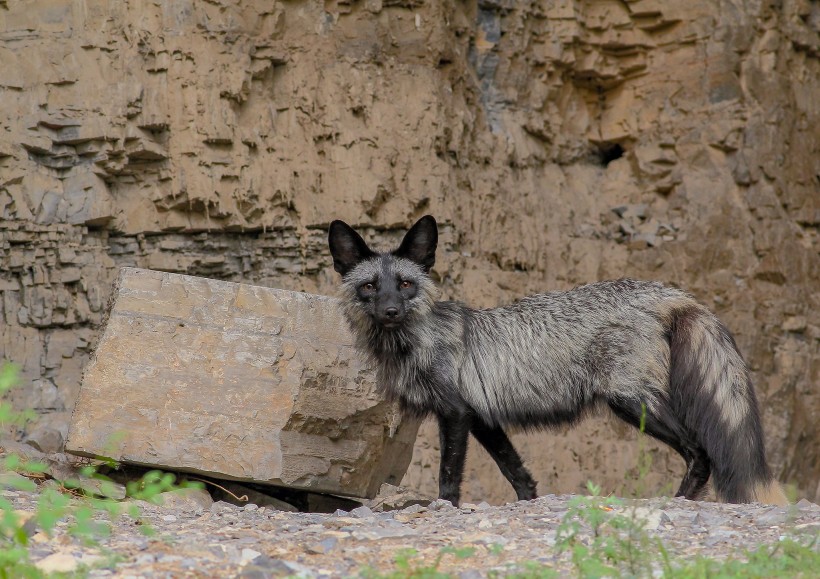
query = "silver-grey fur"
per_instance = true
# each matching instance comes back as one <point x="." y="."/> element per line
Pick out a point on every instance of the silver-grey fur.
<point x="637" y="347"/>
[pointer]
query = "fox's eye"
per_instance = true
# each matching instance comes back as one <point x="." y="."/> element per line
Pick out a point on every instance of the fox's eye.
<point x="406" y="284"/>
<point x="368" y="287"/>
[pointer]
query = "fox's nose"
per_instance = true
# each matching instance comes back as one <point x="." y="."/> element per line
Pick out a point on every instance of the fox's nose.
<point x="391" y="312"/>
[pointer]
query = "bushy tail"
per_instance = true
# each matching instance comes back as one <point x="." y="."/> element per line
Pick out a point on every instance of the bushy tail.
<point x="711" y="385"/>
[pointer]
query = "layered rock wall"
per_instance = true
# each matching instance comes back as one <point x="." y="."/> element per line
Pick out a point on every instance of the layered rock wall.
<point x="558" y="142"/>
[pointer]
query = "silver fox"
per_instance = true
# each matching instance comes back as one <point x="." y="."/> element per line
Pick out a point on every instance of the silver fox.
<point x="640" y="348"/>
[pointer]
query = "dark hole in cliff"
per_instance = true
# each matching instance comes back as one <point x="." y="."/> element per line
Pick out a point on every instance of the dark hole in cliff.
<point x="608" y="152"/>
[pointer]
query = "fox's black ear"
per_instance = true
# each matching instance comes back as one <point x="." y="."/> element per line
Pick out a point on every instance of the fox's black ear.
<point x="419" y="244"/>
<point x="346" y="246"/>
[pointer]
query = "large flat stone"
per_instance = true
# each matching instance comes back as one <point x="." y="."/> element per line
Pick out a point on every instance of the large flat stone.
<point x="237" y="381"/>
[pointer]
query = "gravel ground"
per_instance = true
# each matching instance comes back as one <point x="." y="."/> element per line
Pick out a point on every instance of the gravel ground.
<point x="196" y="537"/>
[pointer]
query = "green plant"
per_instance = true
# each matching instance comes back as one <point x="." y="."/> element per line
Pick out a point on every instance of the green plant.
<point x="636" y="481"/>
<point x="788" y="558"/>
<point x="88" y="509"/>
<point x="531" y="570"/>
<point x="606" y="538"/>
<point x="406" y="566"/>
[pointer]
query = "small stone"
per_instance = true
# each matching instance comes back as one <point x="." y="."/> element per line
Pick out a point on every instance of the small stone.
<point x="58" y="563"/>
<point x="193" y="500"/>
<point x="189" y="563"/>
<point x="719" y="536"/>
<point x="140" y="543"/>
<point x="248" y="555"/>
<point x="264" y="567"/>
<point x="220" y="507"/>
<point x="772" y="517"/>
<point x="97" y="486"/>
<point x="440" y="504"/>
<point x="255" y="572"/>
<point x="711" y="519"/>
<point x="45" y="438"/>
<point x="484" y="524"/>
<point x="374" y="534"/>
<point x="169" y="518"/>
<point x="392" y="498"/>
<point x="11" y="479"/>
<point x="40" y="537"/>
<point x="362" y="512"/>
<point x="145" y="559"/>
<point x="323" y="546"/>
<point x="414" y="509"/>
<point x="410" y="513"/>
<point x="250" y="507"/>
<point x="486" y="539"/>
<point x="807" y="505"/>
<point x="649" y="519"/>
<point x="678" y="517"/>
<point x="26" y="520"/>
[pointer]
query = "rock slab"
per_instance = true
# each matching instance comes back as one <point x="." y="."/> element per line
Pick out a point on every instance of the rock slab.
<point x="239" y="382"/>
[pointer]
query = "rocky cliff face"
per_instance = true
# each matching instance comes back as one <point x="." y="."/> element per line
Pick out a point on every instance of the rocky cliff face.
<point x="557" y="142"/>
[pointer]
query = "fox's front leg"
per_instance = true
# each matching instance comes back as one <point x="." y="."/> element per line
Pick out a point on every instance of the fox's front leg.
<point x="453" y="431"/>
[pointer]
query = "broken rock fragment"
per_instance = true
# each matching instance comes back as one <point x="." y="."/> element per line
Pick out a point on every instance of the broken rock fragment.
<point x="237" y="382"/>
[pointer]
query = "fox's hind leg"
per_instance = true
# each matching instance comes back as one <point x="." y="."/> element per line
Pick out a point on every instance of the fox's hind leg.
<point x="667" y="428"/>
<point x="698" y="470"/>
<point x="495" y="440"/>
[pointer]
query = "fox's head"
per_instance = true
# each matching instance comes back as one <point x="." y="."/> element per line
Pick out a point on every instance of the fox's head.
<point x="385" y="288"/>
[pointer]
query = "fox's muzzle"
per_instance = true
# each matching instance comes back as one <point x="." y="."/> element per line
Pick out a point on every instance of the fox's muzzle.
<point x="389" y="311"/>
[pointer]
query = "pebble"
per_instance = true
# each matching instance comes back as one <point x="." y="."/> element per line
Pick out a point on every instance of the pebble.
<point x="440" y="504"/>
<point x="413" y="509"/>
<point x="774" y="516"/>
<point x="362" y="512"/>
<point x="719" y="536"/>
<point x="647" y="517"/>
<point x="249" y="555"/>
<point x="679" y="517"/>
<point x="145" y="559"/>
<point x="323" y="546"/>
<point x="806" y="505"/>
<point x="58" y="563"/>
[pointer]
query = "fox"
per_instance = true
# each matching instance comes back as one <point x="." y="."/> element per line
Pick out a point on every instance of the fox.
<point x="652" y="354"/>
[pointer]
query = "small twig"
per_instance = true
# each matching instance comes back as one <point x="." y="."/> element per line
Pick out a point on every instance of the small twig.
<point x="73" y="491"/>
<point x="243" y="498"/>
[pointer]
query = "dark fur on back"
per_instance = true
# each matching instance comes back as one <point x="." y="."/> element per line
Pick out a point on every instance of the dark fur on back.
<point x="640" y="348"/>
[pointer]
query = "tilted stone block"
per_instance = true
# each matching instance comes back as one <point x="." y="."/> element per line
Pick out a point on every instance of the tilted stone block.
<point x="240" y="382"/>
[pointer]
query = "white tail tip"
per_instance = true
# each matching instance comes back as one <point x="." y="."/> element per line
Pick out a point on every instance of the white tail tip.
<point x="770" y="494"/>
